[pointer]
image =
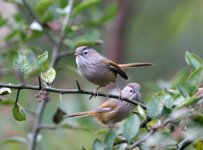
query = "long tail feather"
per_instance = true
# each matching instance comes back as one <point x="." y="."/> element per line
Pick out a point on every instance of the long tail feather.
<point x="79" y="114"/>
<point x="132" y="65"/>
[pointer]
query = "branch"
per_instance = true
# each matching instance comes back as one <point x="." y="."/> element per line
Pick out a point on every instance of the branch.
<point x="36" y="128"/>
<point x="55" y="52"/>
<point x="68" y="91"/>
<point x="32" y="14"/>
<point x="64" y="54"/>
<point x="184" y="143"/>
<point x="58" y="46"/>
<point x="173" y="117"/>
<point x="151" y="132"/>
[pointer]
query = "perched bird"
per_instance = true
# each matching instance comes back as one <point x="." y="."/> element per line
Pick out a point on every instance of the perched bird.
<point x="113" y="110"/>
<point x="100" y="70"/>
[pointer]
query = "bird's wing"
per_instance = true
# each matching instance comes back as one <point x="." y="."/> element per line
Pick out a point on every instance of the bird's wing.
<point x="103" y="110"/>
<point x="115" y="68"/>
<point x="107" y="106"/>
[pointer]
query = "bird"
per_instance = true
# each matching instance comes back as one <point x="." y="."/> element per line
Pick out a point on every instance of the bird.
<point x="113" y="110"/>
<point x="100" y="70"/>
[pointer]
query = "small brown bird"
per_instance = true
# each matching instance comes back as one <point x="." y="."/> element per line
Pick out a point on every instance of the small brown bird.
<point x="113" y="111"/>
<point x="100" y="70"/>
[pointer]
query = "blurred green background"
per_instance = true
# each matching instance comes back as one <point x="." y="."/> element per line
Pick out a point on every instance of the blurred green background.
<point x="158" y="31"/>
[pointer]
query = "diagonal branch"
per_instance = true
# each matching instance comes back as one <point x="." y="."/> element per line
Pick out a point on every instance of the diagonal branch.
<point x="64" y="54"/>
<point x="58" y="46"/>
<point x="172" y="118"/>
<point x="149" y="134"/>
<point x="34" y="16"/>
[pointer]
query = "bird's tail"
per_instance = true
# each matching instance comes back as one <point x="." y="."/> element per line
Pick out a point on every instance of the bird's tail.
<point x="132" y="65"/>
<point x="80" y="114"/>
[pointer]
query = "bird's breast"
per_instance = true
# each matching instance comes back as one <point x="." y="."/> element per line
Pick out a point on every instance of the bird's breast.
<point x="96" y="73"/>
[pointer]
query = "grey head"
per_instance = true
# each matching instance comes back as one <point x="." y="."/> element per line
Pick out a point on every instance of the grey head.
<point x="86" y="54"/>
<point x="132" y="91"/>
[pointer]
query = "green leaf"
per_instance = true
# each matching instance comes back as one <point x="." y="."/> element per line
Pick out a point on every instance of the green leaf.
<point x="21" y="63"/>
<point x="183" y="90"/>
<point x="83" y="6"/>
<point x="15" y="139"/>
<point x="179" y="77"/>
<point x="19" y="112"/>
<point x="97" y="145"/>
<point x="90" y="38"/>
<point x="6" y="102"/>
<point x="41" y="64"/>
<point x="141" y="111"/>
<point x="102" y="131"/>
<point x="131" y="127"/>
<point x="194" y="80"/>
<point x="168" y="101"/>
<point x="43" y="5"/>
<point x="155" y="106"/>
<point x="41" y="59"/>
<point x="153" y="123"/>
<point x="198" y="144"/>
<point x="193" y="60"/>
<point x="198" y="118"/>
<point x="108" y="14"/>
<point x="189" y="101"/>
<point x="12" y="34"/>
<point x="2" y="21"/>
<point x="49" y="75"/>
<point x="5" y="91"/>
<point x="109" y="140"/>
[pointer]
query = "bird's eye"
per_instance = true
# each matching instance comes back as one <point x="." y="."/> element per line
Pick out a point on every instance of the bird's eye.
<point x="131" y="91"/>
<point x="85" y="52"/>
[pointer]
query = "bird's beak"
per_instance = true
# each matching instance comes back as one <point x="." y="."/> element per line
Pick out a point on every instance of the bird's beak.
<point x="76" y="54"/>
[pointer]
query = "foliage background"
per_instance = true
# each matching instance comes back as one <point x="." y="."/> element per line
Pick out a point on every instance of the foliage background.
<point x="157" y="31"/>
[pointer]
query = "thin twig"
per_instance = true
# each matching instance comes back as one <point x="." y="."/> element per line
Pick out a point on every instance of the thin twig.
<point x="66" y="53"/>
<point x="78" y="85"/>
<point x="36" y="128"/>
<point x="68" y="91"/>
<point x="48" y="126"/>
<point x="31" y="111"/>
<point x="34" y="16"/>
<point x="40" y="83"/>
<point x="17" y="97"/>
